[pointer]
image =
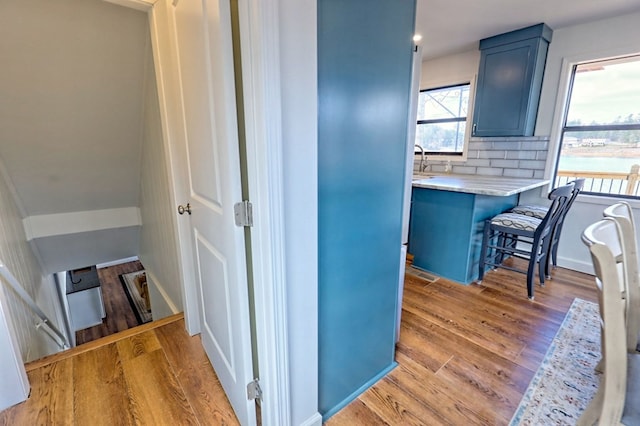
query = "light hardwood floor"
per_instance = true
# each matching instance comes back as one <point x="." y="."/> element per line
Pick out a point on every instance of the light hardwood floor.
<point x="466" y="355"/>
<point x="155" y="374"/>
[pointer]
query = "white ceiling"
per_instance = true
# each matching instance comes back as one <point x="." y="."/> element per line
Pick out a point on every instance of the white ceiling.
<point x="71" y="99"/>
<point x="452" y="26"/>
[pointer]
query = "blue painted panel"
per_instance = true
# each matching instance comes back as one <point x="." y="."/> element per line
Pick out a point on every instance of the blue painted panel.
<point x="509" y="82"/>
<point x="535" y="31"/>
<point x="364" y="73"/>
<point x="446" y="230"/>
<point x="440" y="232"/>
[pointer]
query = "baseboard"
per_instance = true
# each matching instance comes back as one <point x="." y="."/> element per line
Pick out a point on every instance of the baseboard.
<point x="158" y="288"/>
<point x="315" y="420"/>
<point x="117" y="262"/>
<point x="358" y="391"/>
<point x="576" y="265"/>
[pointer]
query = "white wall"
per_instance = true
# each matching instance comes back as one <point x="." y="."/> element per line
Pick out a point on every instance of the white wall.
<point x="444" y="71"/>
<point x="16" y="254"/>
<point x="598" y="39"/>
<point x="299" y="132"/>
<point x="594" y="40"/>
<point x="14" y="386"/>
<point x="158" y="251"/>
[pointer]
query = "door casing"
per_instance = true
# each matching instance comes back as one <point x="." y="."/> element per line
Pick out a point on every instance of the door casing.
<point x="259" y="33"/>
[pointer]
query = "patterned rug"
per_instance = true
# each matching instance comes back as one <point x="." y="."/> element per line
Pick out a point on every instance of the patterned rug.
<point x="566" y="381"/>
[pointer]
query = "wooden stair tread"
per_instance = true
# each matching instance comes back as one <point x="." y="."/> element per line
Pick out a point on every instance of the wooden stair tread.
<point x="103" y="341"/>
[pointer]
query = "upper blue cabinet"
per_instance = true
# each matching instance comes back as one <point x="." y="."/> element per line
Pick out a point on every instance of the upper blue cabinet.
<point x="509" y="82"/>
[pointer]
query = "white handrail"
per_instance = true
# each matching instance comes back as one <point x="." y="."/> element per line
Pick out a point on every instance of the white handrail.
<point x="58" y="337"/>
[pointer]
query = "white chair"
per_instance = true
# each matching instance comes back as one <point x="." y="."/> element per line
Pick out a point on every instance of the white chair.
<point x="616" y="401"/>
<point x="622" y="214"/>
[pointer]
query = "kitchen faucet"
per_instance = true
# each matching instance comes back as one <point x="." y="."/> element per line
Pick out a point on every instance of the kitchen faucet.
<point x="423" y="159"/>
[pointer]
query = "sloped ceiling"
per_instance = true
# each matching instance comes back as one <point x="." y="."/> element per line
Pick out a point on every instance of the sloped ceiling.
<point x="72" y="76"/>
<point x="71" y="99"/>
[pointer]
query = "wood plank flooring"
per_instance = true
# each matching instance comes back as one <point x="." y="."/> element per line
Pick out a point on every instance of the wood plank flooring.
<point x="466" y="356"/>
<point x="467" y="353"/>
<point x="120" y="315"/>
<point x="155" y="374"/>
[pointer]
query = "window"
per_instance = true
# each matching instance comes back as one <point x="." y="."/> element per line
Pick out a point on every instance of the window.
<point x="600" y="139"/>
<point x="442" y="119"/>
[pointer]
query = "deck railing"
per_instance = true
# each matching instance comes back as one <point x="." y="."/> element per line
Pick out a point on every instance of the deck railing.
<point x="605" y="182"/>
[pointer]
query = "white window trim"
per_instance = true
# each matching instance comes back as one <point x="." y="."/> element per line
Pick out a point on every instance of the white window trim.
<point x="562" y="96"/>
<point x="471" y="80"/>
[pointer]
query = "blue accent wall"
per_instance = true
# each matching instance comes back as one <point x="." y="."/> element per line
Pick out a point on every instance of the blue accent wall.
<point x="364" y="76"/>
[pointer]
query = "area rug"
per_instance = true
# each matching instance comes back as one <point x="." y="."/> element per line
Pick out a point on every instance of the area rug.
<point x="135" y="287"/>
<point x="566" y="381"/>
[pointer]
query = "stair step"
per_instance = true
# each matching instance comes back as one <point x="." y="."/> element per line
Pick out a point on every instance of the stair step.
<point x="103" y="341"/>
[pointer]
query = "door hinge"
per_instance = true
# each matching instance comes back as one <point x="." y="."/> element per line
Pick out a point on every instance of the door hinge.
<point x="253" y="390"/>
<point x="243" y="212"/>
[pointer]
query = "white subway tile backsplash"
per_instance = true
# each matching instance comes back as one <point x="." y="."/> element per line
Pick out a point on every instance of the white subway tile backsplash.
<point x="521" y="155"/>
<point x="507" y="145"/>
<point x="532" y="164"/>
<point x="489" y="171"/>
<point x="478" y="162"/>
<point x="511" y="164"/>
<point x="538" y="174"/>
<point x="511" y="156"/>
<point x="492" y="154"/>
<point x="536" y="145"/>
<point x="480" y="146"/>
<point x="518" y="173"/>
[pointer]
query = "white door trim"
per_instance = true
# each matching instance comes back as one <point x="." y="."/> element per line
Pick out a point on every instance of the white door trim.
<point x="260" y="55"/>
<point x="261" y="77"/>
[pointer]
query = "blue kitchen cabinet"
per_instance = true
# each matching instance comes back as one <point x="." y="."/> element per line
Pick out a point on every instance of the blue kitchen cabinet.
<point x="365" y="54"/>
<point x="509" y="82"/>
<point x="446" y="230"/>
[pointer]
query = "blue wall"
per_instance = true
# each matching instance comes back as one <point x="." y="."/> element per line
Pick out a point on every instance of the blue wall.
<point x="364" y="75"/>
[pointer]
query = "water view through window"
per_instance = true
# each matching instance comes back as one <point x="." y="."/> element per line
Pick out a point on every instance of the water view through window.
<point x="601" y="135"/>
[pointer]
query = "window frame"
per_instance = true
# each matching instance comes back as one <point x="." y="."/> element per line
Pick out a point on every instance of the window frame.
<point x="560" y="127"/>
<point x="458" y="157"/>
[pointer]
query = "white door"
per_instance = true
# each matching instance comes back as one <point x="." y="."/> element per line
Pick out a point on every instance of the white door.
<point x="204" y="45"/>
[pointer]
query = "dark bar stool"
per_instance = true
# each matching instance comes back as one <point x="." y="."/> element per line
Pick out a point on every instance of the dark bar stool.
<point x="504" y="232"/>
<point x="541" y="211"/>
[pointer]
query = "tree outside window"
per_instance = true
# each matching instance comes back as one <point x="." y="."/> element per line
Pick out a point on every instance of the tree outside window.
<point x="442" y="117"/>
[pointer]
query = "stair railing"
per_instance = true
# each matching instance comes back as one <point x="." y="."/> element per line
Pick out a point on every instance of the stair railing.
<point x="51" y="330"/>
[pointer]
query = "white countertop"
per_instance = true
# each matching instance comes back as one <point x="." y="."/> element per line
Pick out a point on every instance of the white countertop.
<point x="475" y="184"/>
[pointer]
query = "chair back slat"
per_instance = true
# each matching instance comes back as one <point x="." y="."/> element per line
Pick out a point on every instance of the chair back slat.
<point x="559" y="197"/>
<point x="627" y="257"/>
<point x="603" y="240"/>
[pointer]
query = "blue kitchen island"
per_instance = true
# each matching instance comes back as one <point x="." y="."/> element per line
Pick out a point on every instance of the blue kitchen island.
<point x="447" y="218"/>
